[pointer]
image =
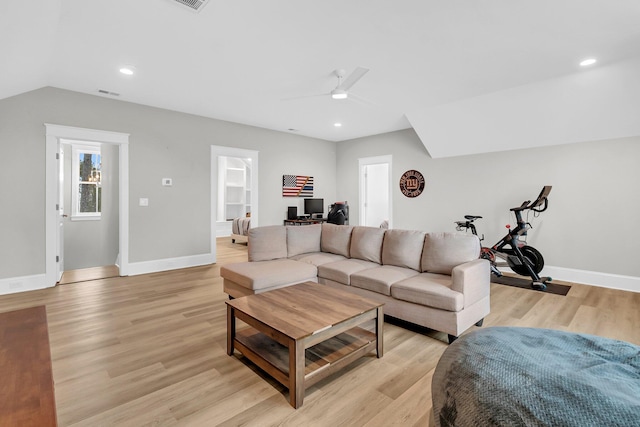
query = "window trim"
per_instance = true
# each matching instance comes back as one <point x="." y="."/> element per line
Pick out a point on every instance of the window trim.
<point x="76" y="150"/>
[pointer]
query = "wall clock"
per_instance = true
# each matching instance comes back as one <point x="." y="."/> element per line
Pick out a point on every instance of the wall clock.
<point x="412" y="183"/>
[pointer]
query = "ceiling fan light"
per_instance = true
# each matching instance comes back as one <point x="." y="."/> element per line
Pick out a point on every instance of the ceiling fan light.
<point x="338" y="94"/>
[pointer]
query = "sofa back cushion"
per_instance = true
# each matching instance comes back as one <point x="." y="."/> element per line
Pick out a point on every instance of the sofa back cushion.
<point x="336" y="239"/>
<point x="267" y="242"/>
<point x="443" y="251"/>
<point x="366" y="243"/>
<point x="403" y="248"/>
<point x="303" y="239"/>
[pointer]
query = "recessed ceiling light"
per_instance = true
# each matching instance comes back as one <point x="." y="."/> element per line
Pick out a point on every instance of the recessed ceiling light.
<point x="337" y="125"/>
<point x="588" y="62"/>
<point x="128" y="71"/>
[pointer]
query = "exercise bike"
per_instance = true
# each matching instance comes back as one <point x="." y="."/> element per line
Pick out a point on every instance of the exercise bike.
<point x="511" y="250"/>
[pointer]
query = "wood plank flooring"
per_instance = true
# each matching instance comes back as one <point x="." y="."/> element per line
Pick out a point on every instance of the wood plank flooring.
<point x="26" y="385"/>
<point x="150" y="350"/>
<point x="86" y="274"/>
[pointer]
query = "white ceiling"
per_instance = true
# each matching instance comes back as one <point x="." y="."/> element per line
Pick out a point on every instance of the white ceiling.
<point x="237" y="60"/>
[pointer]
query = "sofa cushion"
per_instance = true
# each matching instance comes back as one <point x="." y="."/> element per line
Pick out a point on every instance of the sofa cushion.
<point x="366" y="243"/>
<point x="318" y="258"/>
<point x="403" y="248"/>
<point x="443" y="251"/>
<point x="267" y="242"/>
<point x="432" y="290"/>
<point x="336" y="239"/>
<point x="265" y="274"/>
<point x="380" y="279"/>
<point x="303" y="239"/>
<point x="341" y="271"/>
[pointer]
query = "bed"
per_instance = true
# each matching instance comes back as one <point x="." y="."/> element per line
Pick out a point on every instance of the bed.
<point x="240" y="230"/>
<point x="508" y="376"/>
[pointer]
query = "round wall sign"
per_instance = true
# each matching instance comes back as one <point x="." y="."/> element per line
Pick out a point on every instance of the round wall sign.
<point x="412" y="183"/>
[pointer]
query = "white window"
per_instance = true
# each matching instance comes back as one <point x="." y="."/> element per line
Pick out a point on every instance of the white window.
<point x="86" y="181"/>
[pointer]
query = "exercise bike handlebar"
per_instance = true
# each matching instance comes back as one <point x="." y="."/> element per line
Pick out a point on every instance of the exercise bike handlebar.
<point x="541" y="200"/>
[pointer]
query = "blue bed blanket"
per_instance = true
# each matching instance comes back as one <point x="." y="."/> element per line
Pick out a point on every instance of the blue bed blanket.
<point x="507" y="376"/>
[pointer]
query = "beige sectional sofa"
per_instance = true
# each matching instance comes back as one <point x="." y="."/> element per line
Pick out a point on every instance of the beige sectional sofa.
<point x="435" y="280"/>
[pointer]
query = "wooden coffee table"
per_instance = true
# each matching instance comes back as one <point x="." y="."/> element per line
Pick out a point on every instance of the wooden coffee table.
<point x="303" y="333"/>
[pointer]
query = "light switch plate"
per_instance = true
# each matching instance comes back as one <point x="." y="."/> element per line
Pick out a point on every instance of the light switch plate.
<point x="144" y="202"/>
<point x="167" y="182"/>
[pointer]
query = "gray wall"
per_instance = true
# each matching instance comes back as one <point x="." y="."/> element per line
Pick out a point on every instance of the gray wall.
<point x="590" y="221"/>
<point x="163" y="144"/>
<point x="93" y="243"/>
<point x="591" y="214"/>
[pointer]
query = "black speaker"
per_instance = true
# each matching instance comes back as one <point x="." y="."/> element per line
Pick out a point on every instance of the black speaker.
<point x="292" y="212"/>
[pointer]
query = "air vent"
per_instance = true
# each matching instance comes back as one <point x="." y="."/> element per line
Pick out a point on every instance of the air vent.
<point x="106" y="92"/>
<point x="195" y="5"/>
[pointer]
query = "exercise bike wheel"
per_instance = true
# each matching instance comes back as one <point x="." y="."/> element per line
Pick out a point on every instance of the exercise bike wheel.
<point x="533" y="257"/>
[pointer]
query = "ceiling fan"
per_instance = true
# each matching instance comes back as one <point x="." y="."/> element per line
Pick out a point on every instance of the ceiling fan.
<point x="341" y="91"/>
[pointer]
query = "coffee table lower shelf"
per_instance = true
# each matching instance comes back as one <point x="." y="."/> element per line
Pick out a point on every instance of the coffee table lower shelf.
<point x="321" y="360"/>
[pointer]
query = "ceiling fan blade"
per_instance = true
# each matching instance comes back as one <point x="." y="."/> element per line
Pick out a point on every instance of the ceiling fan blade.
<point x="362" y="100"/>
<point x="353" y="78"/>
<point x="304" y="96"/>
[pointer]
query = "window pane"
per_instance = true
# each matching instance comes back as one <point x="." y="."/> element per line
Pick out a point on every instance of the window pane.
<point x="89" y="183"/>
<point x="90" y="167"/>
<point x="88" y="198"/>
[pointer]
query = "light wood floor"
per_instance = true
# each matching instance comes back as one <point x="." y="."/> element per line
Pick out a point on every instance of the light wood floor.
<point x="85" y="274"/>
<point x="150" y="350"/>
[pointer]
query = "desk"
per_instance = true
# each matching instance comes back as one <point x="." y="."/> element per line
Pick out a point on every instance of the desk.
<point x="304" y="221"/>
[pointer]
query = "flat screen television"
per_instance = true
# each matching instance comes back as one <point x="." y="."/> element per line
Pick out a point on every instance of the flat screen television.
<point x="314" y="206"/>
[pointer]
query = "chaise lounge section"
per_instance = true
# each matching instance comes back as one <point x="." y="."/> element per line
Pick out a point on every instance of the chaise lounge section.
<point x="435" y="280"/>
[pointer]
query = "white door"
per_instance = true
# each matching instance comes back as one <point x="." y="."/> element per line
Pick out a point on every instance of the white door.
<point x="61" y="213"/>
<point x="375" y="191"/>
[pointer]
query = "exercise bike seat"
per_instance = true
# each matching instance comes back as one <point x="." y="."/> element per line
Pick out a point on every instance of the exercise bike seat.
<point x="471" y="217"/>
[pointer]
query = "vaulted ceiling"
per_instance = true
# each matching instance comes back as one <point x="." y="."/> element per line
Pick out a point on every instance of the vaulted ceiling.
<point x="255" y="62"/>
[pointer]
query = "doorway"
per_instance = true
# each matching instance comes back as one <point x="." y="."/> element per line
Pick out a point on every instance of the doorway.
<point x="234" y="189"/>
<point x="56" y="136"/>
<point x="89" y="210"/>
<point x="375" y="202"/>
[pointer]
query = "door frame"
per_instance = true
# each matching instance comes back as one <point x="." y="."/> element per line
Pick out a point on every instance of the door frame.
<point x="375" y="160"/>
<point x="219" y="150"/>
<point x="55" y="133"/>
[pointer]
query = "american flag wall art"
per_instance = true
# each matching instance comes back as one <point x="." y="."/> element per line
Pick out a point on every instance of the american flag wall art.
<point x="297" y="186"/>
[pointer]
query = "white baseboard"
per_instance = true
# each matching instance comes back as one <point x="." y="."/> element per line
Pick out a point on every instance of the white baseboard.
<point x="593" y="278"/>
<point x="155" y="266"/>
<point x="223" y="228"/>
<point x="13" y="285"/>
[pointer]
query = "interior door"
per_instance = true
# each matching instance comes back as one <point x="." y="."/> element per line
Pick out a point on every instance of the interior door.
<point x="61" y="213"/>
<point x="375" y="201"/>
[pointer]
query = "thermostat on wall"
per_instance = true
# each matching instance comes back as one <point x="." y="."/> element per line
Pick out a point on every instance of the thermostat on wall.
<point x="167" y="182"/>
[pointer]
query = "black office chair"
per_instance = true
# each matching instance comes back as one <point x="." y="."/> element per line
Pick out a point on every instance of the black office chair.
<point x="338" y="213"/>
